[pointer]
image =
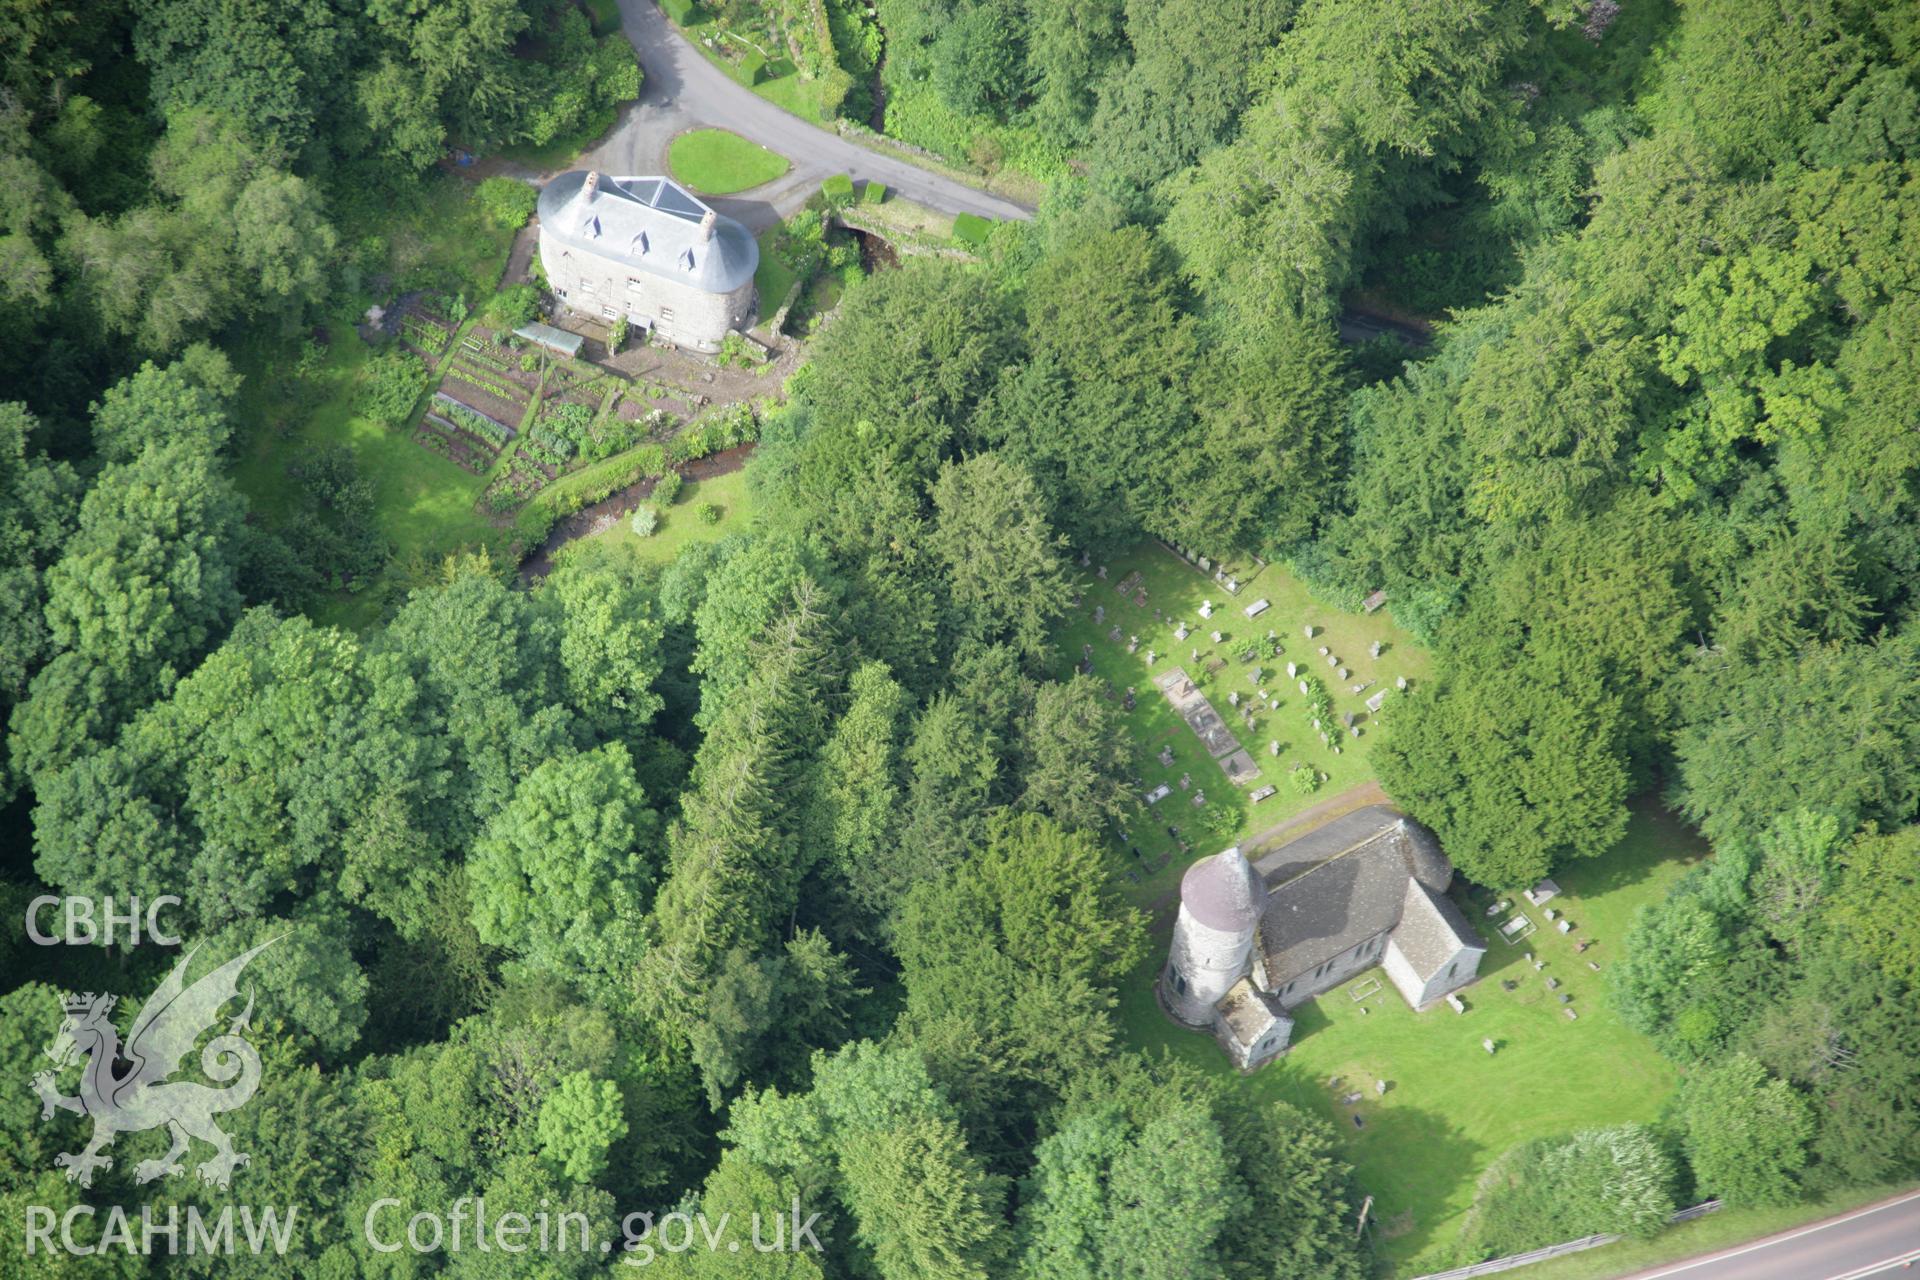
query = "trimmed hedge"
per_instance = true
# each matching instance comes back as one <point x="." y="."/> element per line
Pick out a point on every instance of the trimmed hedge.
<point x="876" y="193"/>
<point x="682" y="12"/>
<point x="971" y="230"/>
<point x="838" y="188"/>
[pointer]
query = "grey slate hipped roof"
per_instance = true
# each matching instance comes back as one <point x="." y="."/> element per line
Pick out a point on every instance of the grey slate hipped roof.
<point x="652" y="224"/>
<point x="1342" y="884"/>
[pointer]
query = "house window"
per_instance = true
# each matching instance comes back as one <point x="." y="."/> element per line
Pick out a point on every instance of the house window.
<point x="608" y="312"/>
<point x="1179" y="983"/>
<point x="666" y="313"/>
<point x="1453" y="968"/>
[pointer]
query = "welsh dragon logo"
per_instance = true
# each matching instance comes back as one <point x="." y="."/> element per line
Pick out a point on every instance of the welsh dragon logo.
<point x="171" y="1020"/>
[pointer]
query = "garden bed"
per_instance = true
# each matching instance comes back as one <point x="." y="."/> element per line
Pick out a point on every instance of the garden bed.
<point x="512" y="490"/>
<point x="507" y="385"/>
<point x="437" y="435"/>
<point x="504" y="413"/>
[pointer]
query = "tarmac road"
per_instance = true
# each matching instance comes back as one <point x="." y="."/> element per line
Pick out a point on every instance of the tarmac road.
<point x="682" y="91"/>
<point x="1879" y="1240"/>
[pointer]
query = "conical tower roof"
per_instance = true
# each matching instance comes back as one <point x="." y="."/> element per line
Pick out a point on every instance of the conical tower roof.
<point x="1223" y="892"/>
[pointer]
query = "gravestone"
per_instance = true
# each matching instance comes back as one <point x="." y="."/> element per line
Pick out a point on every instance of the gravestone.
<point x="1099" y="614"/>
<point x="1308" y="630"/>
<point x="1216" y="637"/>
<point x="1206" y="608"/>
<point x="1373" y="650"/>
<point x="1400" y="682"/>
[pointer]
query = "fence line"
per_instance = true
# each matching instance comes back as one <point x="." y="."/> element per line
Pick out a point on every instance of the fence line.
<point x="1494" y="1265"/>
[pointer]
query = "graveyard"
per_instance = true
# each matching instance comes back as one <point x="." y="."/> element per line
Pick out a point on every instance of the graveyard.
<point x="1450" y="1107"/>
<point x="1186" y="781"/>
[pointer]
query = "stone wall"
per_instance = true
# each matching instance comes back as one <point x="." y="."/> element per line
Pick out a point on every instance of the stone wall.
<point x="603" y="289"/>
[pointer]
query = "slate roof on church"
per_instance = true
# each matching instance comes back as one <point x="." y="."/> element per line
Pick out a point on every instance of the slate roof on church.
<point x="650" y="223"/>
<point x="1249" y="1012"/>
<point x="1432" y="931"/>
<point x="1341" y="884"/>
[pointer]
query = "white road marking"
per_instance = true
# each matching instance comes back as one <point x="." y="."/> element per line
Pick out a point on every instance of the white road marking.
<point x="1778" y="1240"/>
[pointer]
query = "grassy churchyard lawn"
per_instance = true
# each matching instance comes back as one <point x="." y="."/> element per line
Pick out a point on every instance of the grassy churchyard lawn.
<point x="1450" y="1108"/>
<point x="1177" y="590"/>
<point x="680" y="524"/>
<point x="716" y="162"/>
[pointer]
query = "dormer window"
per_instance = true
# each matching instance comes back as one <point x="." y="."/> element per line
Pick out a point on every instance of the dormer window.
<point x="686" y="259"/>
<point x="641" y="244"/>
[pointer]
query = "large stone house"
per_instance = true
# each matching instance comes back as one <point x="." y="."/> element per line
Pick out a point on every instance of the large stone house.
<point x="649" y="250"/>
<point x="1254" y="940"/>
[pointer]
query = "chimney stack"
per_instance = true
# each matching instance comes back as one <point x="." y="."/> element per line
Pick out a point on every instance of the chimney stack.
<point x="706" y="225"/>
<point x="593" y="184"/>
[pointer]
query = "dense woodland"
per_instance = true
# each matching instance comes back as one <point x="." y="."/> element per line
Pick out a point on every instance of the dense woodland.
<point x="779" y="872"/>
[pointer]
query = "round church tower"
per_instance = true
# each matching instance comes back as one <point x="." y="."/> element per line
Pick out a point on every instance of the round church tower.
<point x="1220" y="902"/>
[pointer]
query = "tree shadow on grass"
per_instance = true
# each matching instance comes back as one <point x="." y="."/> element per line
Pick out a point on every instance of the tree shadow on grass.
<point x="1409" y="1160"/>
<point x="1654" y="837"/>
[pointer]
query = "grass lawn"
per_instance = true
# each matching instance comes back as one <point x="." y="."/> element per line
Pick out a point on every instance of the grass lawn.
<point x="773" y="277"/>
<point x="680" y="525"/>
<point x="1450" y="1109"/>
<point x="715" y="162"/>
<point x="424" y="503"/>
<point x="1176" y="590"/>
